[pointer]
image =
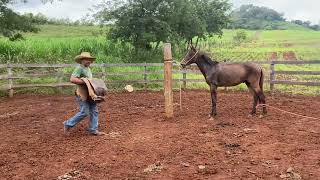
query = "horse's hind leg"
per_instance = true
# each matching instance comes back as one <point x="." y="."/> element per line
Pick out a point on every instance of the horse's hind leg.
<point x="262" y="99"/>
<point x="255" y="99"/>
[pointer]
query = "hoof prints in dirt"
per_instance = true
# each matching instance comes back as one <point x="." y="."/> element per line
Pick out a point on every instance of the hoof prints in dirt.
<point x="233" y="145"/>
<point x="224" y="125"/>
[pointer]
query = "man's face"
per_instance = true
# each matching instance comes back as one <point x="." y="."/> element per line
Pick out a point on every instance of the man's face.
<point x="86" y="62"/>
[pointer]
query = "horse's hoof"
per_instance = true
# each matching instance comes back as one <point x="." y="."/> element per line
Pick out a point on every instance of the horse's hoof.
<point x="261" y="116"/>
<point x="211" y="118"/>
<point x="251" y="115"/>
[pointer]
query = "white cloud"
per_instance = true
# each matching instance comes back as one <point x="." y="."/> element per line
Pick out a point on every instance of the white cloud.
<point x="72" y="9"/>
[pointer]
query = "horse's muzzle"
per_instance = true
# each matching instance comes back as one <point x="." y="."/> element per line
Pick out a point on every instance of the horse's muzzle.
<point x="183" y="65"/>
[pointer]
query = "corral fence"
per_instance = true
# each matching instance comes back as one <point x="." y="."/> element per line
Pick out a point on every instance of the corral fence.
<point x="15" y="76"/>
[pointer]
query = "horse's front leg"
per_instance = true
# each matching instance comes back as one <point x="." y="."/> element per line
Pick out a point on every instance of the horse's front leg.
<point x="213" y="90"/>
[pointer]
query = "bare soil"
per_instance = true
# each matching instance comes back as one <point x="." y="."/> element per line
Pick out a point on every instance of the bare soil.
<point x="142" y="144"/>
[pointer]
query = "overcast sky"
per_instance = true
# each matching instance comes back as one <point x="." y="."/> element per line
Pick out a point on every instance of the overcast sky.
<point x="306" y="10"/>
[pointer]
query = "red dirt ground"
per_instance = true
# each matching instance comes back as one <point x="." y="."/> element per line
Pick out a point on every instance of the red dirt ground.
<point x="141" y="144"/>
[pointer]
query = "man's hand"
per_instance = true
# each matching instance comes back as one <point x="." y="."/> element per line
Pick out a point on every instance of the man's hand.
<point x="76" y="80"/>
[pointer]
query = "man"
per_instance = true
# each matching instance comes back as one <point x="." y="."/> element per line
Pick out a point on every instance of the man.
<point x="87" y="106"/>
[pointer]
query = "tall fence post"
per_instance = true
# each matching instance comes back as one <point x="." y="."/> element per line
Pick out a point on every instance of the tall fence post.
<point x="271" y="75"/>
<point x="10" y="81"/>
<point x="168" y="95"/>
<point x="145" y="77"/>
<point x="103" y="69"/>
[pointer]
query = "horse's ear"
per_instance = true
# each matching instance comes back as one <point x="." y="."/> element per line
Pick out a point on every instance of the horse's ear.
<point x="192" y="47"/>
<point x="197" y="42"/>
<point x="190" y="44"/>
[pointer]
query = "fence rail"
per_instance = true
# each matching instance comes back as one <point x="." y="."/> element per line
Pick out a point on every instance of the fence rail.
<point x="11" y="77"/>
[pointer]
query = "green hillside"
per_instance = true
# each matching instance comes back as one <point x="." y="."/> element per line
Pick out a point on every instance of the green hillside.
<point x="252" y="17"/>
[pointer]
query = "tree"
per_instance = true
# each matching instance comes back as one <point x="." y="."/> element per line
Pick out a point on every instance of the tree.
<point x="12" y="24"/>
<point x="306" y="24"/>
<point x="143" y="22"/>
<point x="255" y="17"/>
<point x="256" y="12"/>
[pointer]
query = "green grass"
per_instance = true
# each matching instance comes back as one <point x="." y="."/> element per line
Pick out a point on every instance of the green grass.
<point x="59" y="44"/>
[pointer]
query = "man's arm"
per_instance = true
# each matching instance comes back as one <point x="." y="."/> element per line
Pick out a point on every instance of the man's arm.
<point x="76" y="80"/>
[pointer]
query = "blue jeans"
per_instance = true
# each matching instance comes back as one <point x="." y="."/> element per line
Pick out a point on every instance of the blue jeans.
<point x="87" y="108"/>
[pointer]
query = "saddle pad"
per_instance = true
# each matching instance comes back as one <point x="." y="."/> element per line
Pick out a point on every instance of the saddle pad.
<point x="99" y="87"/>
<point x="87" y="91"/>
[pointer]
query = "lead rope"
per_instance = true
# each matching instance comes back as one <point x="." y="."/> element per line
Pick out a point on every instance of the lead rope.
<point x="288" y="112"/>
<point x="180" y="79"/>
<point x="180" y="83"/>
<point x="180" y="86"/>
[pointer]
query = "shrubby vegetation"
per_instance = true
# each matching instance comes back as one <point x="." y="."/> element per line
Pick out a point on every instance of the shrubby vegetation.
<point x="241" y="36"/>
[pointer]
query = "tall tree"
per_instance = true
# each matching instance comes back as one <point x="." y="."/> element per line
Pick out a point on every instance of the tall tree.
<point x="12" y="24"/>
<point x="143" y="22"/>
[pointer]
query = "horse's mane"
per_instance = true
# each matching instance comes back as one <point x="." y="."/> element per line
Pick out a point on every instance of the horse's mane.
<point x="208" y="59"/>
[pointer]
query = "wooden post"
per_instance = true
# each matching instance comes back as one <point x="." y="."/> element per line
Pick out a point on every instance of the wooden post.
<point x="145" y="77"/>
<point x="10" y="81"/>
<point x="168" y="95"/>
<point x="271" y="76"/>
<point x="104" y="74"/>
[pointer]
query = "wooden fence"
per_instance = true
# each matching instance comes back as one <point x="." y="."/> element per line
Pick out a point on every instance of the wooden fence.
<point x="274" y="81"/>
<point x="8" y="74"/>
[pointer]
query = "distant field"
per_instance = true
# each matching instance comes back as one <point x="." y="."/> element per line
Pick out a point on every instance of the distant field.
<point x="304" y="44"/>
<point x="58" y="44"/>
<point x="61" y="31"/>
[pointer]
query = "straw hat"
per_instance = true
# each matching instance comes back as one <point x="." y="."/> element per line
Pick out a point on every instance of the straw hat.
<point x="83" y="55"/>
<point x="129" y="88"/>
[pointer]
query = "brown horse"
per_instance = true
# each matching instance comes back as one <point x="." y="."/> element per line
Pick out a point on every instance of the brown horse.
<point x="219" y="74"/>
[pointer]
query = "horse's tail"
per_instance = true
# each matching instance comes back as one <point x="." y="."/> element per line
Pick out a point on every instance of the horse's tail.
<point x="261" y="80"/>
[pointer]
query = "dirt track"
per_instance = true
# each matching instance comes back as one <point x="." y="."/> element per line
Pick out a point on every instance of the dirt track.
<point x="141" y="144"/>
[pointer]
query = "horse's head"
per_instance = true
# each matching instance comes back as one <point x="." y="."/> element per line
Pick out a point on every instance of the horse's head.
<point x="191" y="57"/>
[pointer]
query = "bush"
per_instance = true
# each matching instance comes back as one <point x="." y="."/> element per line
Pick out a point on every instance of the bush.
<point x="241" y="36"/>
